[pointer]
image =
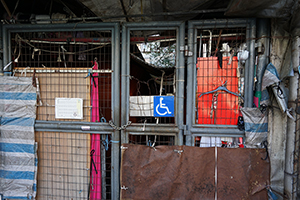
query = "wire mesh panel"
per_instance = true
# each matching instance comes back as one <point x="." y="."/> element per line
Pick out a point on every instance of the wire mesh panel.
<point x="65" y="164"/>
<point x="150" y="140"/>
<point x="220" y="75"/>
<point x="152" y="72"/>
<point x="73" y="72"/>
<point x="67" y="65"/>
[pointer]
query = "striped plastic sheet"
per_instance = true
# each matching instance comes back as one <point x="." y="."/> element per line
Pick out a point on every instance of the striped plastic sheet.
<point x="18" y="150"/>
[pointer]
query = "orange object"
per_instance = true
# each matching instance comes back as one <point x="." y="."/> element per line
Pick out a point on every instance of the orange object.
<point x="210" y="76"/>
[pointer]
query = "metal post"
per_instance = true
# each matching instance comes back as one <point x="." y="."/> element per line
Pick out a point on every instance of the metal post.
<point x="190" y="90"/>
<point x="103" y="168"/>
<point x="289" y="176"/>
<point x="125" y="81"/>
<point x="249" y="79"/>
<point x="263" y="29"/>
<point x="1" y="47"/>
<point x="180" y="83"/>
<point x="5" y="50"/>
<point x="115" y="165"/>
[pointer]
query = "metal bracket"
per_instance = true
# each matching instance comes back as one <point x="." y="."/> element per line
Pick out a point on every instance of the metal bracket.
<point x="124" y="187"/>
<point x="123" y="148"/>
<point x="178" y="151"/>
<point x="186" y="51"/>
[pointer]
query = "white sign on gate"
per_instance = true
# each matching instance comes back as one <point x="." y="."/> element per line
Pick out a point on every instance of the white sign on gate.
<point x="154" y="106"/>
<point x="68" y="108"/>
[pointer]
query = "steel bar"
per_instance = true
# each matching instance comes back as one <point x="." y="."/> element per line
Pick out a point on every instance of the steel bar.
<point x="180" y="82"/>
<point x="214" y="126"/>
<point x="115" y="165"/>
<point x="191" y="83"/>
<point x="166" y="128"/>
<point x="263" y="29"/>
<point x="104" y="71"/>
<point x="217" y="132"/>
<point x="250" y="64"/>
<point x="124" y="81"/>
<point x="81" y="126"/>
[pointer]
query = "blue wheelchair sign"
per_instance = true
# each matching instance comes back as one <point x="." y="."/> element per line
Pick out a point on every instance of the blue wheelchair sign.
<point x="163" y="106"/>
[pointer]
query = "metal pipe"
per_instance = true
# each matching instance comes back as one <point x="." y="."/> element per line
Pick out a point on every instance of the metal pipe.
<point x="263" y="29"/>
<point x="217" y="134"/>
<point x="115" y="165"/>
<point x="41" y="70"/>
<point x="70" y="131"/>
<point x="217" y="131"/>
<point x="73" y="126"/>
<point x="1" y="47"/>
<point x="191" y="83"/>
<point x="124" y="81"/>
<point x="153" y="133"/>
<point x="180" y="84"/>
<point x="5" y="49"/>
<point x="200" y="45"/>
<point x="168" y="128"/>
<point x="250" y="64"/>
<point x="290" y="177"/>
<point x="215" y="126"/>
<point x="209" y="43"/>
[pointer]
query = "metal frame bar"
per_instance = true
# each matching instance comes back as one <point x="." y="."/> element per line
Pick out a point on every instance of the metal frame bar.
<point x="216" y="130"/>
<point x="95" y="128"/>
<point x="180" y="73"/>
<point x="115" y="165"/>
<point x="104" y="71"/>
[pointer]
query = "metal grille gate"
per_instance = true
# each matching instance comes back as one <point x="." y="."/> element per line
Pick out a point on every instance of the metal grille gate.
<point x="78" y="156"/>
<point x="160" y="45"/>
<point x="50" y="55"/>
<point x="212" y="113"/>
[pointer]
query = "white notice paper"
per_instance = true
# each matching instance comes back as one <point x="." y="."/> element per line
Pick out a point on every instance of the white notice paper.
<point x="68" y="108"/>
<point x="141" y="105"/>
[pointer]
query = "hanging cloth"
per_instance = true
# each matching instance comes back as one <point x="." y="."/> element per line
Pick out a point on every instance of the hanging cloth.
<point x="95" y="179"/>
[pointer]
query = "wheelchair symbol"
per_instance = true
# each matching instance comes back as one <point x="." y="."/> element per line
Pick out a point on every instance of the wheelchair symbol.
<point x="162" y="105"/>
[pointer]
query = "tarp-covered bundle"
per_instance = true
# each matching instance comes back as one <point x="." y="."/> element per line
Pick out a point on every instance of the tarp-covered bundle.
<point x="18" y="163"/>
<point x="256" y="127"/>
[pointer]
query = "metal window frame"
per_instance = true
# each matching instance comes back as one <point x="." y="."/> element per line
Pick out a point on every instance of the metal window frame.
<point x="95" y="128"/>
<point x="180" y="73"/>
<point x="193" y="129"/>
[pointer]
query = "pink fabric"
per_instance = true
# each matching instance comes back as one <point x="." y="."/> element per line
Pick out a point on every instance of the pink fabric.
<point x="255" y="101"/>
<point x="95" y="179"/>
